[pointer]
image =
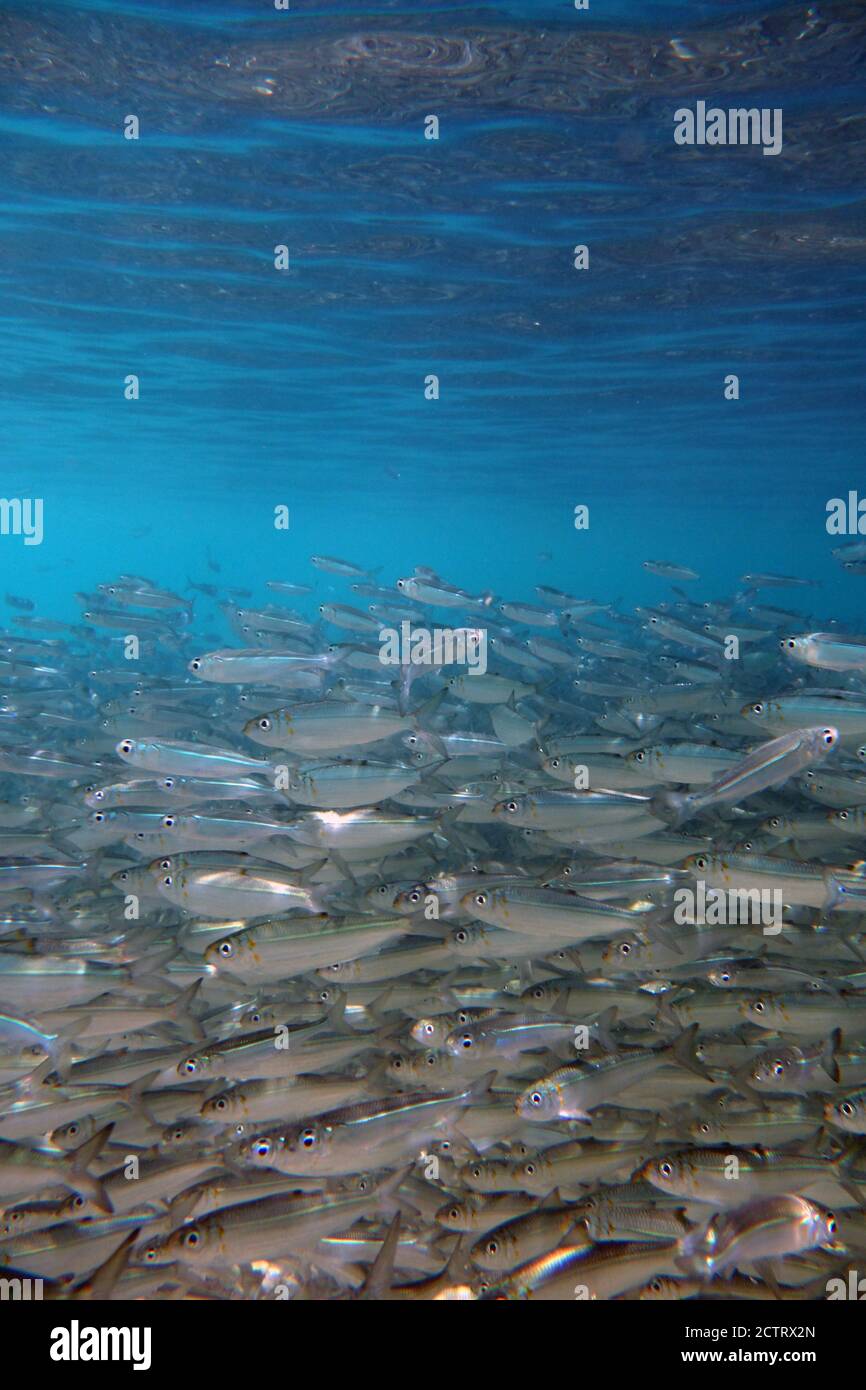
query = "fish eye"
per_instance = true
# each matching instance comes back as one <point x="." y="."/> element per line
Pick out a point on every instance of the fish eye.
<point x="195" y="665"/>
<point x="705" y="1129"/>
<point x="535" y="1098"/>
<point x="415" y="896"/>
<point x="778" y="1069"/>
<point x="225" y="949"/>
<point x="640" y="756"/>
<point x="165" y="863"/>
<point x="759" y="1006"/>
<point x="831" y="1223"/>
<point x="843" y="815"/>
<point x="529" y="1170"/>
<point x="126" y="746"/>
<point x="396" y="1063"/>
<point x="492" y="1247"/>
<point x="191" y="1239"/>
<point x="725" y="977"/>
<point x="701" y="862"/>
<point x="98" y="817"/>
<point x="308" y="1138"/>
<point x="189" y="1066"/>
<point x="828" y="737"/>
<point x="264" y="724"/>
<point x="466" y="1040"/>
<point x="554" y="762"/>
<point x="168" y="822"/>
<point x="480" y="900"/>
<point x="98" y="796"/>
<point x="167" y="881"/>
<point x="220" y="1104"/>
<point x="454" y="1214"/>
<point x="758" y="708"/>
<point x="511" y="806"/>
<point x="72" y="1131"/>
<point x="625" y="949"/>
<point x="149" y="1254"/>
<point x="666" y="1169"/>
<point x="431" y="1059"/>
<point x="262" y="1148"/>
<point x="538" y="992"/>
<point x="846" y="1108"/>
<point x="461" y="936"/>
<point x="401" y="583"/>
<point x="788" y="644"/>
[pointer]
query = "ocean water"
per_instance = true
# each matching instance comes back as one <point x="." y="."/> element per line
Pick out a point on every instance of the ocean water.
<point x="319" y="263"/>
<point x="410" y="257"/>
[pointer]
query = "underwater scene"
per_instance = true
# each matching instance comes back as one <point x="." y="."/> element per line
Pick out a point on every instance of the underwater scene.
<point x="433" y="662"/>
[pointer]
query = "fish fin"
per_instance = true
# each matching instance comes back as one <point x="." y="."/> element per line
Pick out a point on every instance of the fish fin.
<point x="180" y="1010"/>
<point x="766" y="1271"/>
<point x="683" y="1051"/>
<point x="428" y="710"/>
<point x="61" y="1049"/>
<point x="378" y="1006"/>
<point x="552" y="1201"/>
<point x="336" y="1015"/>
<point x="133" y="1094"/>
<point x="828" y="1057"/>
<point x="342" y="864"/>
<point x="604" y="1023"/>
<point x="78" y="1161"/>
<point x="455" y="1132"/>
<point x="306" y="875"/>
<point x="388" y="1190"/>
<point x="479" y="1089"/>
<point x="381" y="1275"/>
<point x="852" y="1189"/>
<point x="183" y="1205"/>
<point x="102" y="1281"/>
<point x="149" y="965"/>
<point x="459" y="1262"/>
<point x="47" y="1067"/>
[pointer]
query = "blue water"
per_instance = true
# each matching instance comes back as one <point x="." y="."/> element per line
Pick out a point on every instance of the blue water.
<point x="411" y="257"/>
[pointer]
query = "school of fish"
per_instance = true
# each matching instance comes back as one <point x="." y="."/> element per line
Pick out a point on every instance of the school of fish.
<point x="332" y="975"/>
